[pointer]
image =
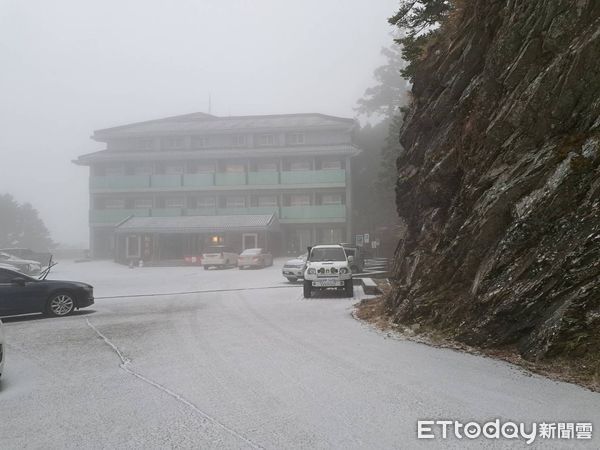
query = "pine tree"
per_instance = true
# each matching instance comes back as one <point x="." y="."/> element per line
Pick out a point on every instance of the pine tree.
<point x="21" y="226"/>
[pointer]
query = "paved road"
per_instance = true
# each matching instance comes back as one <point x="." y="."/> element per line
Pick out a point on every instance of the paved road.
<point x="247" y="369"/>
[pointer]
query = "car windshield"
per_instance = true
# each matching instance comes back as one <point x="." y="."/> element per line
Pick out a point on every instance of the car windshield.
<point x="8" y="274"/>
<point x="327" y="254"/>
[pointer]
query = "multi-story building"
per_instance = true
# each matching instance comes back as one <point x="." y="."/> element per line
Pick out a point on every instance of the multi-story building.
<point x="167" y="188"/>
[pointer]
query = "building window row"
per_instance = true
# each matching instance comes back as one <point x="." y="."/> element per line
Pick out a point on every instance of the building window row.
<point x="194" y="142"/>
<point x="228" y="201"/>
<point x="180" y="168"/>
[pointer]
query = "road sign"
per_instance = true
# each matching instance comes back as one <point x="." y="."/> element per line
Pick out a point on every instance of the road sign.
<point x="359" y="240"/>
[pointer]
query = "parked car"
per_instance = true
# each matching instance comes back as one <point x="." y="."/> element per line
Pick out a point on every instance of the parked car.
<point x="358" y="259"/>
<point x="22" y="294"/>
<point x="26" y="253"/>
<point x="327" y="267"/>
<point x="27" y="266"/>
<point x="254" y="257"/>
<point x="2" y="349"/>
<point x="293" y="269"/>
<point x="219" y="256"/>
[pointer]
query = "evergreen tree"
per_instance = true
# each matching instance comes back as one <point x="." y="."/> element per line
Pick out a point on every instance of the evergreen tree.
<point x="390" y="92"/>
<point x="418" y="22"/>
<point x="21" y="226"/>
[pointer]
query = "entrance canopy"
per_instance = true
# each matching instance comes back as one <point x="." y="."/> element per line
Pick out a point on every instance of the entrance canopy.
<point x="199" y="224"/>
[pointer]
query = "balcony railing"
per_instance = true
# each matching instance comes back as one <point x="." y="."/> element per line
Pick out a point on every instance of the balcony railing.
<point x="288" y="214"/>
<point x="120" y="182"/>
<point x="229" y="179"/>
<point x="313" y="212"/>
<point x="114" y="216"/>
<point x="314" y="177"/>
<point x="200" y="180"/>
<point x="201" y="212"/>
<point x="167" y="212"/>
<point x="165" y="181"/>
<point x="251" y="210"/>
<point x="263" y="178"/>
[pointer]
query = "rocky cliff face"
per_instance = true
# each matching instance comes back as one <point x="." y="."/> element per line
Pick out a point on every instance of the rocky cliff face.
<point x="500" y="180"/>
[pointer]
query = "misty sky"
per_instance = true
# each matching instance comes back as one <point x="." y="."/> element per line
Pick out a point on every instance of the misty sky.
<point x="69" y="67"/>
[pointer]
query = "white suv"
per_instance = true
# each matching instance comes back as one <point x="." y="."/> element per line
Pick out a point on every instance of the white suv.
<point x="219" y="256"/>
<point x="327" y="266"/>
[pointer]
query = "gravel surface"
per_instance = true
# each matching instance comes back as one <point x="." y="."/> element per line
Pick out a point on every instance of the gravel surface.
<point x="247" y="368"/>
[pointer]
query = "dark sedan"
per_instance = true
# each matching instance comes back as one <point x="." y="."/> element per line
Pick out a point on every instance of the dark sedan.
<point x="21" y="294"/>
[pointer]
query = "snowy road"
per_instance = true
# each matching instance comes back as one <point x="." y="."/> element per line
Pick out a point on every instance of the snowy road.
<point x="258" y="368"/>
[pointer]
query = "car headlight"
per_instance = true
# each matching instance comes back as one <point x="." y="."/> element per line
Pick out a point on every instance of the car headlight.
<point x="343" y="270"/>
<point x="334" y="270"/>
<point x="311" y="271"/>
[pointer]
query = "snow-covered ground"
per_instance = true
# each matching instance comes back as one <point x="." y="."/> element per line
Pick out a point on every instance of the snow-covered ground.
<point x="234" y="367"/>
<point x="110" y="279"/>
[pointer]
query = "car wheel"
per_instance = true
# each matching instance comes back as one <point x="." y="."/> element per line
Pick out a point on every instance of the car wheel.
<point x="307" y="288"/>
<point x="349" y="288"/>
<point x="61" y="304"/>
<point x="205" y="267"/>
<point x="292" y="279"/>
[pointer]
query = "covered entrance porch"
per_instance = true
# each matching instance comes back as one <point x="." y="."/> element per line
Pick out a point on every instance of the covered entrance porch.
<point x="180" y="240"/>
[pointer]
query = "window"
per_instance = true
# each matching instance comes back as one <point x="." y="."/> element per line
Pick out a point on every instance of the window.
<point x="331" y="199"/>
<point x="296" y="166"/>
<point x="205" y="168"/>
<point x="142" y="203"/>
<point x="145" y="144"/>
<point x="114" y="170"/>
<point x="235" y="202"/>
<point x="114" y="203"/>
<point x="205" y="202"/>
<point x="7" y="276"/>
<point x="238" y="140"/>
<point x="266" y="166"/>
<point x="267" y="200"/>
<point x="299" y="200"/>
<point x="143" y="169"/>
<point x="174" y="169"/>
<point x="327" y="254"/>
<point x="331" y="165"/>
<point x="266" y="139"/>
<point x="174" y="202"/>
<point x="296" y="138"/>
<point x="200" y="141"/>
<point x="235" y="168"/>
<point x="173" y="142"/>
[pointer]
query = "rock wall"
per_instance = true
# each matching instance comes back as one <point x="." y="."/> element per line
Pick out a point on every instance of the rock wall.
<point x="500" y="181"/>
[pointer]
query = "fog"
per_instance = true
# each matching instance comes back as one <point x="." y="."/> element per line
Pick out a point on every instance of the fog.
<point x="69" y="67"/>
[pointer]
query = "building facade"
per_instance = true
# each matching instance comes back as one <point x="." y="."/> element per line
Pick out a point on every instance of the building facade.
<point x="165" y="189"/>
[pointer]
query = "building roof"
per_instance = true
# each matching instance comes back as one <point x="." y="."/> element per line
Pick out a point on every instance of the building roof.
<point x="120" y="155"/>
<point x="205" y="123"/>
<point x="199" y="224"/>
